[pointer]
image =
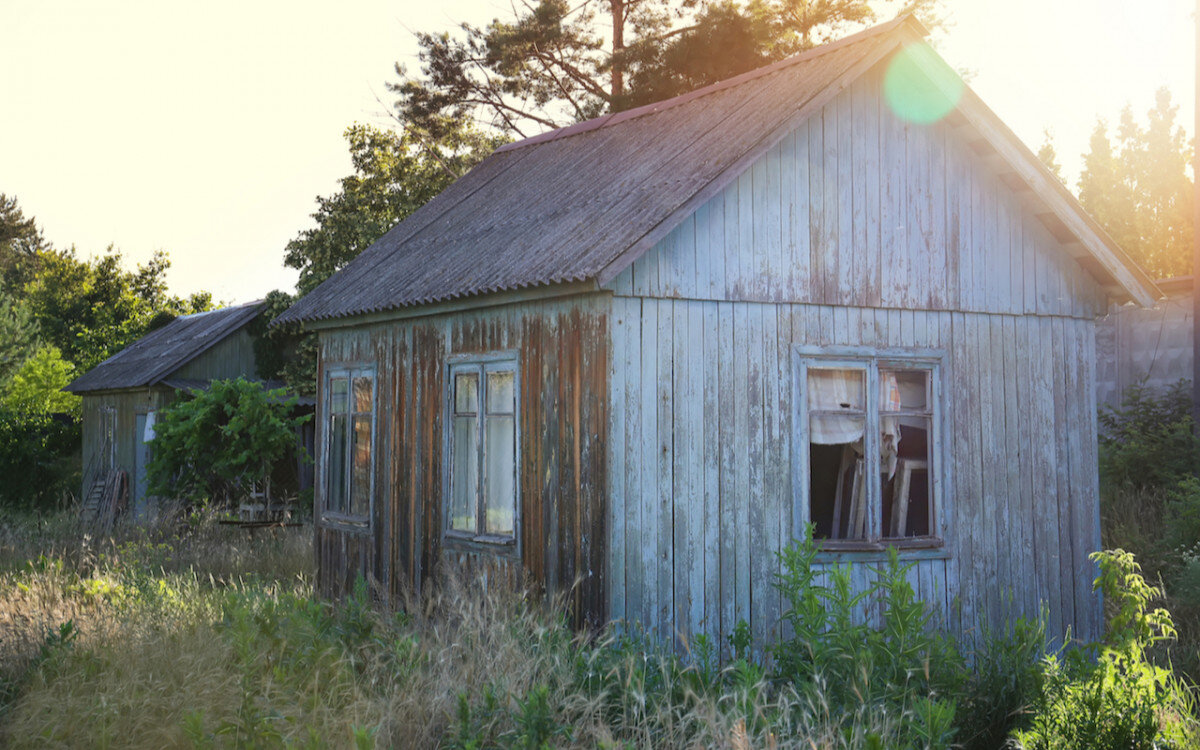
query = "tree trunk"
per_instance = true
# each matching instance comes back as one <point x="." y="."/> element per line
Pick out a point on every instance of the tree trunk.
<point x="618" y="47"/>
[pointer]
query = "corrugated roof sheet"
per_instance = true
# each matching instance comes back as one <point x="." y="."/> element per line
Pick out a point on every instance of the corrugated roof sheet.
<point x="159" y="353"/>
<point x="560" y="207"/>
<point x="578" y="203"/>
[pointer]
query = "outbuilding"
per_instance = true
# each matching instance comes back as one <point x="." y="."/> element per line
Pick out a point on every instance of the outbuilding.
<point x="630" y="360"/>
<point x="123" y="394"/>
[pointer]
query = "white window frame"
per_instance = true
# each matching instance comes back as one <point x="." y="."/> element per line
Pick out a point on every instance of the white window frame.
<point x="333" y="518"/>
<point x="504" y="361"/>
<point x="871" y="360"/>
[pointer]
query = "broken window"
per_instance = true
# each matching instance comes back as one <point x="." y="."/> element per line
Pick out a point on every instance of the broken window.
<point x="482" y="502"/>
<point x="869" y="428"/>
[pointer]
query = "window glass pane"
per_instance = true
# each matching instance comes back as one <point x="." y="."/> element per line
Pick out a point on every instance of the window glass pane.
<point x="336" y="498"/>
<point x="500" y="488"/>
<point x="466" y="393"/>
<point x="362" y="394"/>
<point x="337" y="394"/>
<point x="360" y="457"/>
<point x="838" y="482"/>
<point x="906" y="390"/>
<point x="500" y="392"/>
<point x="907" y="492"/>
<point x="464" y="479"/>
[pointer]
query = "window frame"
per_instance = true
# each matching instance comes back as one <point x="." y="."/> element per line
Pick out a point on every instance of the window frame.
<point x="496" y="544"/>
<point x="330" y="518"/>
<point x="872" y="360"/>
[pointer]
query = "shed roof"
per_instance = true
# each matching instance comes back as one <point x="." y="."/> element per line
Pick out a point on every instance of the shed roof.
<point x="152" y="358"/>
<point x="582" y="202"/>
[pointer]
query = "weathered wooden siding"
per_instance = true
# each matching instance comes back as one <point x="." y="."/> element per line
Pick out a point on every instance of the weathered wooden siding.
<point x="857" y="207"/>
<point x="701" y="463"/>
<point x="563" y="368"/>
<point x="856" y="230"/>
<point x="232" y="357"/>
<point x="127" y="405"/>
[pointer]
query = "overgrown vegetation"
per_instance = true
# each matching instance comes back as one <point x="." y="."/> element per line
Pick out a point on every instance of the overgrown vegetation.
<point x="188" y="633"/>
<point x="219" y="443"/>
<point x="1150" y="505"/>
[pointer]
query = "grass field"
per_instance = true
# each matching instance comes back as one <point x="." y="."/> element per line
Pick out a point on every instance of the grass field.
<point x="192" y="634"/>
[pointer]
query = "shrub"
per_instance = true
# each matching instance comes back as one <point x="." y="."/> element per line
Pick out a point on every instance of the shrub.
<point x="1119" y="700"/>
<point x="216" y="443"/>
<point x="38" y="459"/>
<point x="1149" y="440"/>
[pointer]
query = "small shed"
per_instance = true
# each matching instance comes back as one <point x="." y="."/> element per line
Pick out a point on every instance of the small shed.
<point x="122" y="394"/>
<point x="632" y="359"/>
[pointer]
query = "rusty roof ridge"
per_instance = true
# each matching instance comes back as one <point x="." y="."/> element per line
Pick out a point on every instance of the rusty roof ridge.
<point x="614" y="118"/>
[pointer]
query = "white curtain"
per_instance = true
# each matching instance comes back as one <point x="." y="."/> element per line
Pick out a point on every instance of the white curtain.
<point x="835" y="390"/>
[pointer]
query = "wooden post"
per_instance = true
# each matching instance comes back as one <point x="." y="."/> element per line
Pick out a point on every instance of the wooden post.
<point x="1196" y="232"/>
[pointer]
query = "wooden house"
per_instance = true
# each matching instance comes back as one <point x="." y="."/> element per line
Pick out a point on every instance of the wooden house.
<point x="633" y="358"/>
<point x="122" y="394"/>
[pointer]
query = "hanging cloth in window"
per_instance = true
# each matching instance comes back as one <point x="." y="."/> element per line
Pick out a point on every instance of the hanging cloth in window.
<point x="889" y="400"/>
<point x="831" y="391"/>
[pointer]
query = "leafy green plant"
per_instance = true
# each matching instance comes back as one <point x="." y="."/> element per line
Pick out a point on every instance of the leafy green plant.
<point x="1120" y="699"/>
<point x="216" y="443"/>
<point x="38" y="459"/>
<point x="1149" y="441"/>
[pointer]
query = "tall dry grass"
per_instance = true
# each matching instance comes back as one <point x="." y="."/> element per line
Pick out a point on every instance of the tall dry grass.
<point x="198" y="636"/>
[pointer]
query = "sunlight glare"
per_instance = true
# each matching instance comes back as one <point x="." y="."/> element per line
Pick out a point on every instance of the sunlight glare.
<point x="919" y="86"/>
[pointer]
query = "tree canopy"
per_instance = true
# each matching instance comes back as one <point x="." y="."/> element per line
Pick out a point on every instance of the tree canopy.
<point x="554" y="62"/>
<point x="394" y="175"/>
<point x="1137" y="187"/>
<point x="91" y="309"/>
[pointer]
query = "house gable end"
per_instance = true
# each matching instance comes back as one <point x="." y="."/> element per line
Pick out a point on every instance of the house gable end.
<point x="855" y="206"/>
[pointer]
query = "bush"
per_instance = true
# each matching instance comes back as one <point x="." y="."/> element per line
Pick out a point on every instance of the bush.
<point x="38" y="459"/>
<point x="1149" y="441"/>
<point x="217" y="443"/>
<point x="1119" y="699"/>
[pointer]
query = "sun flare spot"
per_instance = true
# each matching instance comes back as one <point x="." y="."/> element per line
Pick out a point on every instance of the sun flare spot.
<point x="919" y="86"/>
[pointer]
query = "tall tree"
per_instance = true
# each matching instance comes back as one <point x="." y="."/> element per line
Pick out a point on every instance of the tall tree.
<point x="90" y="309"/>
<point x="1139" y="190"/>
<point x="18" y="334"/>
<point x="394" y="175"/>
<point x="20" y="242"/>
<point x="1047" y="154"/>
<point x="551" y="63"/>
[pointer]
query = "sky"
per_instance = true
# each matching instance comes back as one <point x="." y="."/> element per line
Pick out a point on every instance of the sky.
<point x="208" y="129"/>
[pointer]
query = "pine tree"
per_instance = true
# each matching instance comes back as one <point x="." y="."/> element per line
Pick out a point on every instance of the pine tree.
<point x="1139" y="189"/>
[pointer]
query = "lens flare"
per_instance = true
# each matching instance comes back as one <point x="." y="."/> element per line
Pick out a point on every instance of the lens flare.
<point x="919" y="86"/>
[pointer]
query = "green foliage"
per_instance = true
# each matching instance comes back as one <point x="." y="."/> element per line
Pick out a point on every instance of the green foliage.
<point x="547" y="65"/>
<point x="394" y="175"/>
<point x="20" y="243"/>
<point x="1149" y="441"/>
<point x="1139" y="189"/>
<point x="18" y="333"/>
<point x="38" y="455"/>
<point x="36" y="387"/>
<point x="904" y="664"/>
<point x="91" y="309"/>
<point x="1120" y="700"/>
<point x="284" y="352"/>
<point x="214" y="444"/>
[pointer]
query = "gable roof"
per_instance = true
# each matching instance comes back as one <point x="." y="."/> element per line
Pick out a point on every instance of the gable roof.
<point x="581" y="203"/>
<point x="152" y="358"/>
